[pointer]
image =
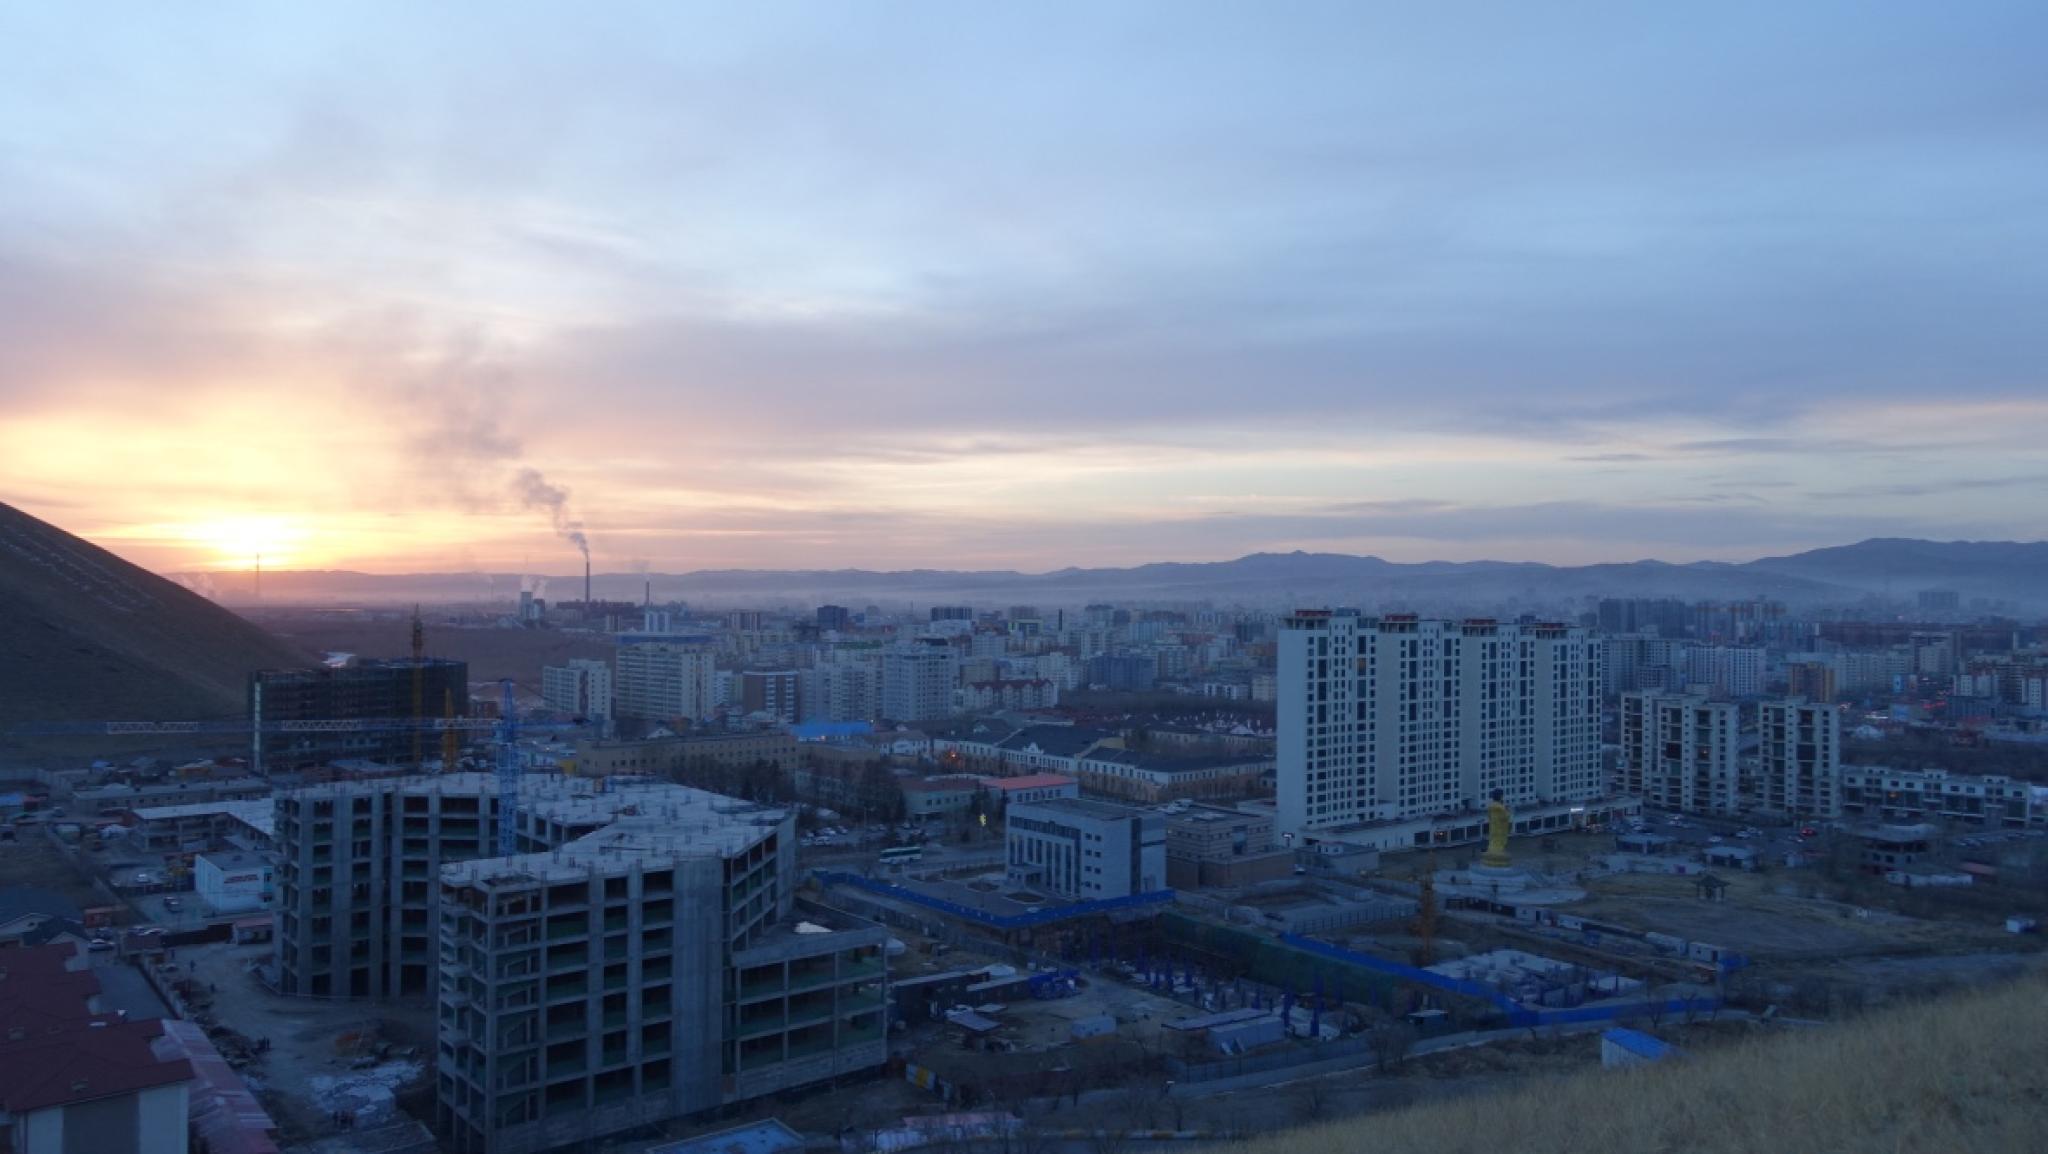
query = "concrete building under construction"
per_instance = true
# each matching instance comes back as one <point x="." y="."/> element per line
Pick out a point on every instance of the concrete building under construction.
<point x="640" y="958"/>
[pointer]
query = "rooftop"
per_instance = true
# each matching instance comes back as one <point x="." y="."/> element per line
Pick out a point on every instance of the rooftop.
<point x="259" y="814"/>
<point x="634" y="841"/>
<point x="1083" y="807"/>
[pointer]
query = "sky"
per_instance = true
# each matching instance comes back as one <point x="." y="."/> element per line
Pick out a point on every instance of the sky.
<point x="413" y="287"/>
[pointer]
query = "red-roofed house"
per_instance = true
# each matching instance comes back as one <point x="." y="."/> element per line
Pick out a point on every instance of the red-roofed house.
<point x="1032" y="787"/>
<point x="76" y="1081"/>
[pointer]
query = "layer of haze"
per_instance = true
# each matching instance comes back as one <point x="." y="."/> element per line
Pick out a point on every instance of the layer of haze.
<point x="956" y="285"/>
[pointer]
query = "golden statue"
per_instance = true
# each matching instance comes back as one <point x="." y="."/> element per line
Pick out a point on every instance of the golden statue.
<point x="1498" y="822"/>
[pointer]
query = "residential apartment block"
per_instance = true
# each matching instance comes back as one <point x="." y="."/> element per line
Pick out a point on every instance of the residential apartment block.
<point x="582" y="688"/>
<point x="1388" y="718"/>
<point x="664" y="680"/>
<point x="1799" y="758"/>
<point x="1679" y="751"/>
<point x="918" y="680"/>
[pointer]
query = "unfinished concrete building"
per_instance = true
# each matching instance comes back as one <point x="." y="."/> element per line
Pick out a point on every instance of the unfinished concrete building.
<point x="637" y="960"/>
<point x="648" y="970"/>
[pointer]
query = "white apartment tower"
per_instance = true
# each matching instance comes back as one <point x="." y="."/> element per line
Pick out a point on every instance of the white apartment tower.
<point x="662" y="680"/>
<point x="1799" y="762"/>
<point x="582" y="688"/>
<point x="1395" y="717"/>
<point x="918" y="679"/>
<point x="1679" y="751"/>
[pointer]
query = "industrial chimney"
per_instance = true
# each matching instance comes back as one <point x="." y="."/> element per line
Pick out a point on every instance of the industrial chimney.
<point x="586" y="581"/>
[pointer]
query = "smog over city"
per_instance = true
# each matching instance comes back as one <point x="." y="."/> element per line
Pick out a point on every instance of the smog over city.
<point x="1131" y="578"/>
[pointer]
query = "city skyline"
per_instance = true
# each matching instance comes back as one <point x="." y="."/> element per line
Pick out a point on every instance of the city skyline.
<point x="899" y="287"/>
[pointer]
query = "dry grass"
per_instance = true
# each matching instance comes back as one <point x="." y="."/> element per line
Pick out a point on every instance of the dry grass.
<point x="1962" y="1075"/>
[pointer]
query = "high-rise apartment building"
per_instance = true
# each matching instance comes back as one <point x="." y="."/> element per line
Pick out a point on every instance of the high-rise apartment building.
<point x="841" y="691"/>
<point x="918" y="680"/>
<point x="952" y="613"/>
<point x="1680" y="751"/>
<point x="664" y="680"/>
<point x="1727" y="670"/>
<point x="359" y="690"/>
<point x="1664" y="617"/>
<point x="1813" y="679"/>
<point x="582" y="688"/>
<point x="837" y="617"/>
<point x="635" y="962"/>
<point x="1633" y="662"/>
<point x="770" y="691"/>
<point x="1799" y="758"/>
<point x="1394" y="717"/>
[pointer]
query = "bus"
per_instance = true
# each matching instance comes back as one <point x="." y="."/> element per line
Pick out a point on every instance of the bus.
<point x="901" y="855"/>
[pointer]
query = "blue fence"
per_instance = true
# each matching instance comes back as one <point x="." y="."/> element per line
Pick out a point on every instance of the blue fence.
<point x="1516" y="1013"/>
<point x="1023" y="921"/>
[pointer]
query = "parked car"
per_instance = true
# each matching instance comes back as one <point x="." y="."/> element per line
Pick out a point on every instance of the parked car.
<point x="99" y="944"/>
<point x="174" y="904"/>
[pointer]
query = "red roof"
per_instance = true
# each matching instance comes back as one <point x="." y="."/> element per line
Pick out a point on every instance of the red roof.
<point x="79" y="1065"/>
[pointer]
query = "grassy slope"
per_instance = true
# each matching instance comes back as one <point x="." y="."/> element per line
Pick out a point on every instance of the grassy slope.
<point x="85" y="635"/>
<point x="1967" y="1074"/>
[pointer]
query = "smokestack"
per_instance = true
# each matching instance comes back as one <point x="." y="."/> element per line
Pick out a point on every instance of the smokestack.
<point x="586" y="580"/>
<point x="648" y="602"/>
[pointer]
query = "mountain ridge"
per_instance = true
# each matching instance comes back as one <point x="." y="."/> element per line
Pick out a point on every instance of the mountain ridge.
<point x="2006" y="571"/>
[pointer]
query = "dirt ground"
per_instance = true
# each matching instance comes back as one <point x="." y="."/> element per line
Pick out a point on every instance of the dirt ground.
<point x="30" y="860"/>
<point x="308" y="1071"/>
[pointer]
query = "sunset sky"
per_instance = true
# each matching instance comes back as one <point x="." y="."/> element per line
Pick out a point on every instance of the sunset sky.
<point x="950" y="285"/>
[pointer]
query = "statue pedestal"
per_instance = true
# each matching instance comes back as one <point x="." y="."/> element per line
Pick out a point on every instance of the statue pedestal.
<point x="1507" y="883"/>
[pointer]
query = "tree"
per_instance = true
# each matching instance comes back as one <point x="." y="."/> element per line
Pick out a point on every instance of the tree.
<point x="1391" y="1042"/>
<point x="1312" y="1099"/>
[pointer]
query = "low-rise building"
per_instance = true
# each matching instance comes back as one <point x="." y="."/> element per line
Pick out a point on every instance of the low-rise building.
<point x="1086" y="850"/>
<point x="233" y="883"/>
<point x="1908" y="795"/>
<point x="1132" y="775"/>
<point x="666" y="756"/>
<point x="1208" y="846"/>
<point x="202" y="826"/>
<point x="75" y="1078"/>
<point x="1887" y="848"/>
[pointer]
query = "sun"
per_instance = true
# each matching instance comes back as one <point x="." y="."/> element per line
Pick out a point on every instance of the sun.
<point x="238" y="542"/>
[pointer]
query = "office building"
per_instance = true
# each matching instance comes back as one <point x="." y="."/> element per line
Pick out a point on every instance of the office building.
<point x="1081" y="850"/>
<point x="357" y="691"/>
<point x="582" y="688"/>
<point x="918" y="680"/>
<point x="837" y="617"/>
<point x="1390" y="718"/>
<point x="1799" y="758"/>
<point x="1680" y="752"/>
<point x="770" y="691"/>
<point x="664" y="680"/>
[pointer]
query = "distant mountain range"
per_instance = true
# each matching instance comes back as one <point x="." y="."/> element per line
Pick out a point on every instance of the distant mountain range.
<point x="1889" y="568"/>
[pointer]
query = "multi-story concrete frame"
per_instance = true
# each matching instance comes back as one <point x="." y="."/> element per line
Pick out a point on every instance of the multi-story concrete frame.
<point x="1679" y="751"/>
<point x="1799" y="758"/>
<point x="642" y="972"/>
<point x="1086" y="850"/>
<point x="1394" y="717"/>
<point x="359" y="690"/>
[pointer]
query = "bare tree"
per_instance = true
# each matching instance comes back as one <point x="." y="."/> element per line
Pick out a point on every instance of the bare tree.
<point x="1311" y="1099"/>
<point x="1391" y="1042"/>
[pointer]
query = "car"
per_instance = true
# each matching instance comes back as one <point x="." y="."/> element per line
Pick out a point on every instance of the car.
<point x="1745" y="834"/>
<point x="1716" y="839"/>
<point x="174" y="903"/>
<point x="1808" y="831"/>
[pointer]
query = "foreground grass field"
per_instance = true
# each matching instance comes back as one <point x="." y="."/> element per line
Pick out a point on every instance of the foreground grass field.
<point x="1966" y="1074"/>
